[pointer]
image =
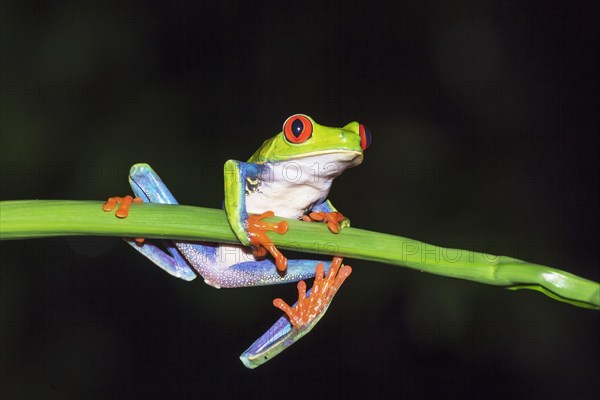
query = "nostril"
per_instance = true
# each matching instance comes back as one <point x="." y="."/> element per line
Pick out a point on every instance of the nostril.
<point x="365" y="137"/>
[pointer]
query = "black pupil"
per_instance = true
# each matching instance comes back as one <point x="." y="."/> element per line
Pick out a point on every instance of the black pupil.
<point x="297" y="127"/>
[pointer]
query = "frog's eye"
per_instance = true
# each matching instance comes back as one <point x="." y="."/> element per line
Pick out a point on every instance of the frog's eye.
<point x="297" y="128"/>
<point x="365" y="137"/>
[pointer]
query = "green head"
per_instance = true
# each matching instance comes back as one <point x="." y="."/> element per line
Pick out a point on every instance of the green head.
<point x="303" y="137"/>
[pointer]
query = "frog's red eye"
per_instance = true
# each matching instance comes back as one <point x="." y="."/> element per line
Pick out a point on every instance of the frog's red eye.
<point x="365" y="137"/>
<point x="297" y="128"/>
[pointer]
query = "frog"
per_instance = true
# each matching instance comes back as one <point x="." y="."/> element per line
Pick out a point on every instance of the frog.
<point x="289" y="176"/>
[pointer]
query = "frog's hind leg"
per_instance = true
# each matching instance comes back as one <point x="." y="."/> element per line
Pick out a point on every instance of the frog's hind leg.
<point x="148" y="186"/>
<point x="301" y="317"/>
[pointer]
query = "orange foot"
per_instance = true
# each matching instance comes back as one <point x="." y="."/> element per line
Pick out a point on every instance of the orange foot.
<point x="309" y="309"/>
<point x="332" y="219"/>
<point x="257" y="232"/>
<point x="123" y="210"/>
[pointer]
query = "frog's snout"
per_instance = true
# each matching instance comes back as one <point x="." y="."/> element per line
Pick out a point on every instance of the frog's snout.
<point x="365" y="137"/>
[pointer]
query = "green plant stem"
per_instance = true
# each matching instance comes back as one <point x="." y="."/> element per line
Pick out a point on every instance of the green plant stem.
<point x="24" y="219"/>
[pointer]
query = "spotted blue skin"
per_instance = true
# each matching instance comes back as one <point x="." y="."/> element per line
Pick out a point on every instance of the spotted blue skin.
<point x="187" y="260"/>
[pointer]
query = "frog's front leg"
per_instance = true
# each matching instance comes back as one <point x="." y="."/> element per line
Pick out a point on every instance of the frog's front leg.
<point x="241" y="178"/>
<point x="326" y="212"/>
<point x="301" y="317"/>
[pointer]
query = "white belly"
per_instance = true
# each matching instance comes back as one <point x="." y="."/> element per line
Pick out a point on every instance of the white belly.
<point x="291" y="188"/>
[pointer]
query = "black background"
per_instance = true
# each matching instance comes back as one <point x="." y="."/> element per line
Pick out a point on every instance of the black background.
<point x="484" y="118"/>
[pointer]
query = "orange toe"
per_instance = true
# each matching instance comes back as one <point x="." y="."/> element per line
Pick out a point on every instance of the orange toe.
<point x="124" y="204"/>
<point x="123" y="210"/>
<point x="332" y="219"/>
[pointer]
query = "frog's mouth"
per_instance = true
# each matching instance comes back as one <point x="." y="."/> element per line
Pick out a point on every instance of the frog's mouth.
<point x="326" y="163"/>
<point x="350" y="158"/>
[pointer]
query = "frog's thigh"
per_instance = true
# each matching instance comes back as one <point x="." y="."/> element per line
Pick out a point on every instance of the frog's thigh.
<point x="219" y="269"/>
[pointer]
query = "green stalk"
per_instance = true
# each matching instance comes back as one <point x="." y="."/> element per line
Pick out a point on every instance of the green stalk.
<point x="46" y="218"/>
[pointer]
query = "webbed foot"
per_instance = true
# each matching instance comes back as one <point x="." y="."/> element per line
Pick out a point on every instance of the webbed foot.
<point x="307" y="312"/>
<point x="257" y="232"/>
<point x="334" y="220"/>
<point x="123" y="210"/>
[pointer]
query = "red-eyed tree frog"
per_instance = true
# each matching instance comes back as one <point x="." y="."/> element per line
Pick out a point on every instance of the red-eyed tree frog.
<point x="289" y="176"/>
